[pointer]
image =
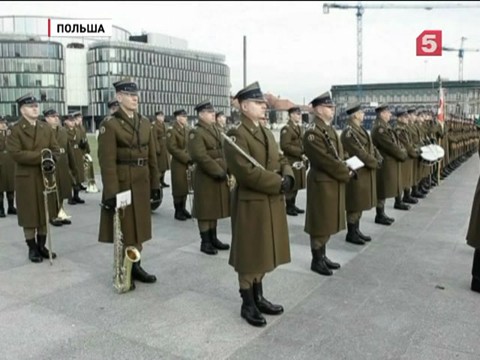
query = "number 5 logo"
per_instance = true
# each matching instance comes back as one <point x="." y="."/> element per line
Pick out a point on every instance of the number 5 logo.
<point x="429" y="43"/>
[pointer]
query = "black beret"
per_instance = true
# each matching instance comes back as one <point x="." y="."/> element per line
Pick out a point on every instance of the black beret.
<point x="127" y="86"/>
<point x="26" y="99"/>
<point x="324" y="99"/>
<point x="204" y="105"/>
<point x="180" y="112"/>
<point x="112" y="103"/>
<point x="159" y="112"/>
<point x="294" y="109"/>
<point x="353" y="108"/>
<point x="251" y="92"/>
<point x="50" y="112"/>
<point x="381" y="107"/>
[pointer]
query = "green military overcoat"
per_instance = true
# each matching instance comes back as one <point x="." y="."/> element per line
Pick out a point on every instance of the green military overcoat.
<point x="124" y="139"/>
<point x="326" y="180"/>
<point x="389" y="177"/>
<point x="406" y="167"/>
<point x="291" y="143"/>
<point x="361" y="194"/>
<point x="163" y="158"/>
<point x="260" y="239"/>
<point x="473" y="233"/>
<point x="7" y="165"/>
<point x="177" y="140"/>
<point x="66" y="172"/>
<point x="25" y="144"/>
<point x="211" y="199"/>
<point x="78" y="156"/>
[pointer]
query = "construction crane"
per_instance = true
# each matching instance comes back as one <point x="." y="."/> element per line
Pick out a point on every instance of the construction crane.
<point x="461" y="51"/>
<point x="361" y="9"/>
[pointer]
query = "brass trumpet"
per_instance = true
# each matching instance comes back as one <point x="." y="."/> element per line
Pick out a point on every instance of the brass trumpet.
<point x="89" y="174"/>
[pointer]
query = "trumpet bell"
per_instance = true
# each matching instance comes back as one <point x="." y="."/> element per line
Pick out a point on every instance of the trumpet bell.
<point x="92" y="187"/>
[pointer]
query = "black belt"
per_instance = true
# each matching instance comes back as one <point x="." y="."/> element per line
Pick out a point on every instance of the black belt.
<point x="134" y="162"/>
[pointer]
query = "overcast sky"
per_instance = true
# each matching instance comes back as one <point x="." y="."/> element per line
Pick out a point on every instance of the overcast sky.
<point x="294" y="50"/>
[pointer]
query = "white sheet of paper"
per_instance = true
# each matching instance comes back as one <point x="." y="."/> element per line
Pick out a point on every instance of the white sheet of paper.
<point x="124" y="199"/>
<point x="355" y="163"/>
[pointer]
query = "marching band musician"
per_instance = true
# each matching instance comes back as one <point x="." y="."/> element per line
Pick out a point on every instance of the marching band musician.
<point x="26" y="140"/>
<point x="78" y="160"/>
<point x="211" y="199"/>
<point x="291" y="143"/>
<point x="177" y="140"/>
<point x="325" y="183"/>
<point x="260" y="239"/>
<point x="127" y="159"/>
<point x="361" y="194"/>
<point x="64" y="168"/>
<point x="389" y="176"/>
<point x="7" y="172"/>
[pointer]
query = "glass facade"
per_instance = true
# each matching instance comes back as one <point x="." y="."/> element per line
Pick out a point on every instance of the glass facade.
<point x="35" y="67"/>
<point x="168" y="79"/>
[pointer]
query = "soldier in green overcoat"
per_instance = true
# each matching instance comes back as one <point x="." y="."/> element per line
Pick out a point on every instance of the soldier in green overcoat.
<point x="177" y="141"/>
<point x="127" y="159"/>
<point x="74" y="140"/>
<point x="325" y="182"/>
<point x="211" y="199"/>
<point x="163" y="157"/>
<point x="260" y="240"/>
<point x="361" y="194"/>
<point x="27" y="138"/>
<point x="7" y="172"/>
<point x="291" y="143"/>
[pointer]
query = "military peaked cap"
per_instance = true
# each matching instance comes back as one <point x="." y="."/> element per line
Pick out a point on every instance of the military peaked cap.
<point x="353" y="108"/>
<point x="159" y="112"/>
<point x="112" y="103"/>
<point x="325" y="99"/>
<point x="294" y="109"/>
<point x="180" y="112"/>
<point x="411" y="111"/>
<point x="50" y="112"/>
<point x="218" y="114"/>
<point x="381" y="108"/>
<point x="204" y="105"/>
<point x="127" y="86"/>
<point x="251" y="92"/>
<point x="401" y="112"/>
<point x="26" y="99"/>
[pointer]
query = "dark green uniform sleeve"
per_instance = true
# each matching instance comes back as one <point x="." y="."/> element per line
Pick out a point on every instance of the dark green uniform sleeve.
<point x="288" y="147"/>
<point x="198" y="152"/>
<point x="107" y="158"/>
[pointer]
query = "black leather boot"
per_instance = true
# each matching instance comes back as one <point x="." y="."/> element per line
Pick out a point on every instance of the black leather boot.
<point x="352" y="235"/>
<point x="42" y="250"/>
<point x="318" y="263"/>
<point x="249" y="309"/>
<point x="360" y="234"/>
<point x="179" y="215"/>
<point x="417" y="194"/>
<point x="185" y="211"/>
<point x="330" y="264"/>
<point x="263" y="304"/>
<point x="382" y="218"/>
<point x="11" y="209"/>
<point x="407" y="198"/>
<point x="206" y="244"/>
<point x="33" y="253"/>
<point x="216" y="242"/>
<point x="299" y="211"/>
<point x="76" y="198"/>
<point x="56" y="222"/>
<point x="399" y="205"/>
<point x="141" y="275"/>
<point x="476" y="272"/>
<point x="2" y="209"/>
<point x="290" y="207"/>
<point x="163" y="183"/>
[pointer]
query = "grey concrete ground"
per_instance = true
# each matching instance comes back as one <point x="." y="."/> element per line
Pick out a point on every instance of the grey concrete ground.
<point x="404" y="296"/>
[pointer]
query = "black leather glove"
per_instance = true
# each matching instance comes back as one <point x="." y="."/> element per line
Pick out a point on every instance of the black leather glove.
<point x="287" y="184"/>
<point x="155" y="195"/>
<point x="353" y="174"/>
<point x="222" y="177"/>
<point x="82" y="144"/>
<point x="110" y="204"/>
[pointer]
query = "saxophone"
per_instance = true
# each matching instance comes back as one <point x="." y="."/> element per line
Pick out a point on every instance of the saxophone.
<point x="122" y="280"/>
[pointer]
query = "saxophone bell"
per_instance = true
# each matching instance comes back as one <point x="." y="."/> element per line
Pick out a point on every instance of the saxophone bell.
<point x="89" y="174"/>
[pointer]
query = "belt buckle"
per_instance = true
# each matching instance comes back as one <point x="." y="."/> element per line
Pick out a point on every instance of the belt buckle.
<point x="140" y="162"/>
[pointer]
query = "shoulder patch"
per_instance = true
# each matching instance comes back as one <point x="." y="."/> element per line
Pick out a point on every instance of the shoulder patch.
<point x="311" y="137"/>
<point x="102" y="130"/>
